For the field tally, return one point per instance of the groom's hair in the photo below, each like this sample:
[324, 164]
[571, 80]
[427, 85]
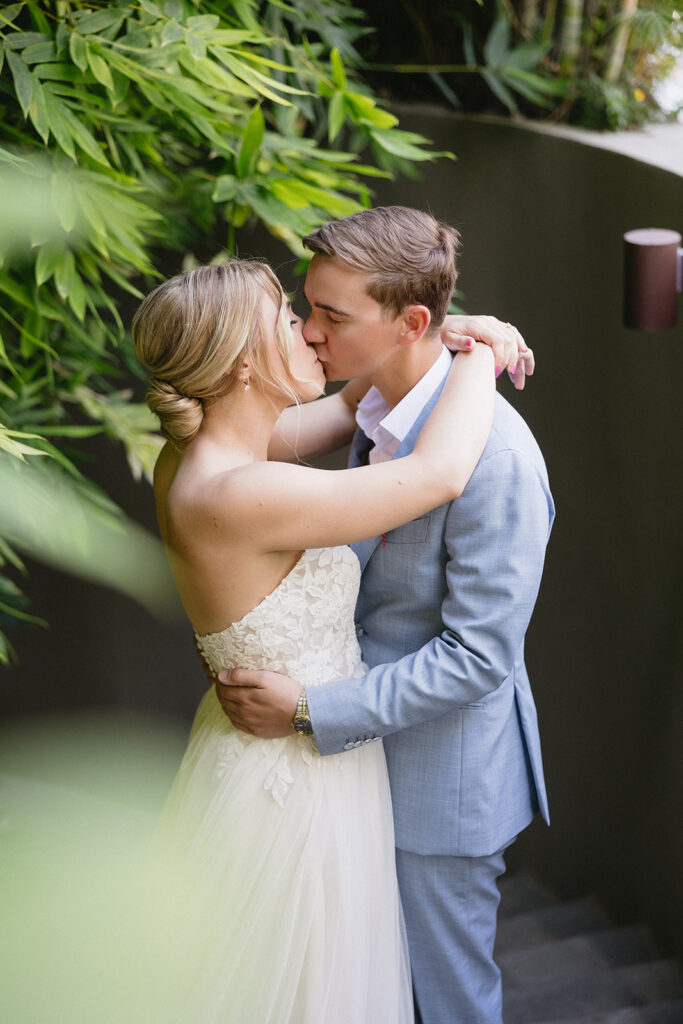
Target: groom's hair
[407, 255]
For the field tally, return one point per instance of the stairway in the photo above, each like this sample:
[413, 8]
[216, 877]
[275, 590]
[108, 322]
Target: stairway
[565, 963]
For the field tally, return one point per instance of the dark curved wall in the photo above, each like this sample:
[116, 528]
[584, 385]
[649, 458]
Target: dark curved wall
[542, 220]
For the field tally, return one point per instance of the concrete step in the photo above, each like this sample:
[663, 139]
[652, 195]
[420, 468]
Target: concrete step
[656, 1013]
[520, 893]
[578, 954]
[535, 927]
[580, 995]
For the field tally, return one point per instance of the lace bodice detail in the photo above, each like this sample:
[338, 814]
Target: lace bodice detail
[304, 628]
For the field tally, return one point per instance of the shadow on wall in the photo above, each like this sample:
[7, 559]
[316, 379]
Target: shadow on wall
[542, 219]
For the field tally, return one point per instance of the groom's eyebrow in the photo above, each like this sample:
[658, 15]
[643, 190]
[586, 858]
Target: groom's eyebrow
[330, 309]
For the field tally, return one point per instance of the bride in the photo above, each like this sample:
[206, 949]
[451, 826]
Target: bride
[292, 855]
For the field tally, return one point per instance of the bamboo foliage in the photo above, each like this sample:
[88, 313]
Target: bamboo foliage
[131, 129]
[596, 63]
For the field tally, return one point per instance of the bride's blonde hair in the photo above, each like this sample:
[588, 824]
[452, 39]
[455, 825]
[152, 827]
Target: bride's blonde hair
[193, 333]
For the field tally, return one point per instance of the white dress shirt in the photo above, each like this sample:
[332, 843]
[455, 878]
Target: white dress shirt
[388, 428]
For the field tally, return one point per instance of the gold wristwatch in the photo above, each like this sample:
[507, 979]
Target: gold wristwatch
[302, 720]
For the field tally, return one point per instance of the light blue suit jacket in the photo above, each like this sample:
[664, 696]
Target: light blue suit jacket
[443, 609]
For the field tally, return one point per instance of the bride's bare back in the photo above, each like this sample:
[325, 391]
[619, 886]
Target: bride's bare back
[218, 579]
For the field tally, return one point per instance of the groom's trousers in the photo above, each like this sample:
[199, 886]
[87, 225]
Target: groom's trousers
[450, 906]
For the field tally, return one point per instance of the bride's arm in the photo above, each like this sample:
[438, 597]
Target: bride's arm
[276, 507]
[305, 431]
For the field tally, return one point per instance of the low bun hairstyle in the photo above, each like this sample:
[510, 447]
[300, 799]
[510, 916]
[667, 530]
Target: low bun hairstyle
[193, 332]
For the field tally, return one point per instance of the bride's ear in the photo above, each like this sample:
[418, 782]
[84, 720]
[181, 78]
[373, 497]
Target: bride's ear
[415, 321]
[244, 375]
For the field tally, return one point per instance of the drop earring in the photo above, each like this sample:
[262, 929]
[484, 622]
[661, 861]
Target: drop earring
[246, 384]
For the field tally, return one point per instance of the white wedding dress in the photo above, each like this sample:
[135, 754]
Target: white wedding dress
[291, 854]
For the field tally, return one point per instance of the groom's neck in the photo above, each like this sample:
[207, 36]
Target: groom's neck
[401, 372]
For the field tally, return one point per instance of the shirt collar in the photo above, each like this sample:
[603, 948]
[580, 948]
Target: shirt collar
[374, 412]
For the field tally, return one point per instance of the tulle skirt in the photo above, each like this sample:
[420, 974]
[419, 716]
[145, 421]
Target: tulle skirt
[289, 869]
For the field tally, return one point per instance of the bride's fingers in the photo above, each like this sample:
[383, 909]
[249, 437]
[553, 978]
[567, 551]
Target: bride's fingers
[524, 369]
[456, 342]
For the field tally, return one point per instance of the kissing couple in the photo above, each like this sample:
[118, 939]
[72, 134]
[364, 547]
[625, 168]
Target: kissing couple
[370, 747]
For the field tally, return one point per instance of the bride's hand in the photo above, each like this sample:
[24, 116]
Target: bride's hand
[511, 353]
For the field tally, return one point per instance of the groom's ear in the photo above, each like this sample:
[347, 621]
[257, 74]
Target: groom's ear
[414, 322]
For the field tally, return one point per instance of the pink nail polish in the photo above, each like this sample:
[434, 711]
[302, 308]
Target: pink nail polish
[499, 371]
[513, 369]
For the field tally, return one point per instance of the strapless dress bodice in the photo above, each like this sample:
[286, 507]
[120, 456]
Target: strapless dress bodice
[304, 628]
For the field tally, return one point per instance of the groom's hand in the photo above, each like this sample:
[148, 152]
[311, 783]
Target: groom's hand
[510, 351]
[260, 703]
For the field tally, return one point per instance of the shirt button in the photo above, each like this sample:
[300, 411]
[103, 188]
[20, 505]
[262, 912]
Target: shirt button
[359, 630]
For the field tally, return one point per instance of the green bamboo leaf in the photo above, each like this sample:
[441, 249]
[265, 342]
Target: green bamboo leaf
[92, 23]
[299, 195]
[20, 40]
[16, 291]
[8, 609]
[57, 73]
[527, 56]
[4, 358]
[497, 43]
[78, 51]
[65, 273]
[31, 330]
[23, 81]
[196, 46]
[251, 143]
[7, 554]
[57, 123]
[92, 211]
[77, 297]
[46, 262]
[367, 111]
[7, 652]
[151, 8]
[64, 200]
[40, 53]
[265, 86]
[172, 33]
[18, 449]
[203, 22]
[38, 111]
[69, 431]
[547, 86]
[100, 69]
[525, 89]
[213, 74]
[9, 13]
[499, 89]
[401, 144]
[82, 136]
[336, 116]
[224, 189]
[338, 73]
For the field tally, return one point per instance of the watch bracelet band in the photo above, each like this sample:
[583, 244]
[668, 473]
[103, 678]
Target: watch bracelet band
[302, 719]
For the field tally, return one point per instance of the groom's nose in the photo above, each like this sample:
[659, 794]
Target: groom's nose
[312, 334]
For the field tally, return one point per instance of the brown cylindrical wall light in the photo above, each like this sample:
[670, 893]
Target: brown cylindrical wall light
[652, 259]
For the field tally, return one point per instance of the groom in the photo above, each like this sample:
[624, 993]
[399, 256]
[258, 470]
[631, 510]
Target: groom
[443, 609]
